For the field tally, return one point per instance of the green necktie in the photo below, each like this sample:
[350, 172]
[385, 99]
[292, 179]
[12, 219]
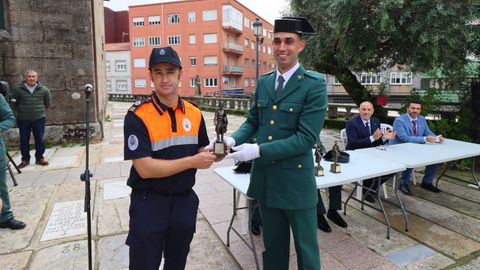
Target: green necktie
[279, 89]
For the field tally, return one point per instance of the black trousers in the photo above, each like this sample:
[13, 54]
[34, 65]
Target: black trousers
[334, 199]
[161, 225]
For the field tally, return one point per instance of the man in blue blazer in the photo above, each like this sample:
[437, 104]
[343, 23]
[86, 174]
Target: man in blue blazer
[364, 131]
[412, 127]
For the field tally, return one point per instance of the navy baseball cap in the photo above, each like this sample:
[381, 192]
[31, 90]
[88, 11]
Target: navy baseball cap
[164, 55]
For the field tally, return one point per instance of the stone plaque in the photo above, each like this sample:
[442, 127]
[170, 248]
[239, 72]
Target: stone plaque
[67, 219]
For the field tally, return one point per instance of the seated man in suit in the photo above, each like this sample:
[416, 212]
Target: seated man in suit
[364, 131]
[412, 127]
[334, 204]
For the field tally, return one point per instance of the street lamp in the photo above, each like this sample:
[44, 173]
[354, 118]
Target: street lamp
[257, 31]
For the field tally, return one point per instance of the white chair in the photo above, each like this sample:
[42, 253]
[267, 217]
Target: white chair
[343, 137]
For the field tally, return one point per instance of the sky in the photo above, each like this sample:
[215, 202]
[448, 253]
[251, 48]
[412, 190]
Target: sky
[268, 10]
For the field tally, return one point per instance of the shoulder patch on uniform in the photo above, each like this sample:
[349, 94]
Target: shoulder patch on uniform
[191, 102]
[313, 74]
[139, 103]
[268, 73]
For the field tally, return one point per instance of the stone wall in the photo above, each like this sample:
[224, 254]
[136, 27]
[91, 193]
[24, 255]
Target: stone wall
[55, 39]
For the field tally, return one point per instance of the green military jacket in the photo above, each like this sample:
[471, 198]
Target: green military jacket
[286, 129]
[31, 106]
[6, 121]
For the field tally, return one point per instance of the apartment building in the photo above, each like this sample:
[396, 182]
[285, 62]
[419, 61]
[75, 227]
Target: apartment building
[398, 82]
[118, 68]
[214, 39]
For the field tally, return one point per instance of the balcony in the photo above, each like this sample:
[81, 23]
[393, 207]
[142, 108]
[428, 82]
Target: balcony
[232, 70]
[232, 27]
[232, 48]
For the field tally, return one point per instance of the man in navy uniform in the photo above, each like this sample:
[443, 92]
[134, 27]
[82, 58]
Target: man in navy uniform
[165, 137]
[286, 117]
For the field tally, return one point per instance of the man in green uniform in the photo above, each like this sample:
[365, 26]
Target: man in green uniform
[6, 218]
[287, 115]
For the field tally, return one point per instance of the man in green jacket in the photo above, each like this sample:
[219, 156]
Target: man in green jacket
[32, 100]
[6, 217]
[287, 115]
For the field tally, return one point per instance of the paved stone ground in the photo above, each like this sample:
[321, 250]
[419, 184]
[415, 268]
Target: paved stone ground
[444, 228]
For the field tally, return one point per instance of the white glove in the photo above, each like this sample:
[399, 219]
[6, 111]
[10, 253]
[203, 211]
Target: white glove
[245, 152]
[229, 142]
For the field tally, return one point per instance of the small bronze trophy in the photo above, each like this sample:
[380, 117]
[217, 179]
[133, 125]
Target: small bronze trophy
[318, 158]
[220, 120]
[335, 167]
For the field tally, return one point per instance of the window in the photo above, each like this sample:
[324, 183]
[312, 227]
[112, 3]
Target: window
[264, 49]
[246, 42]
[400, 78]
[122, 86]
[192, 82]
[252, 82]
[253, 63]
[140, 83]
[153, 20]
[336, 81]
[246, 82]
[191, 16]
[264, 65]
[209, 15]
[173, 40]
[252, 45]
[246, 22]
[138, 21]
[193, 61]
[370, 78]
[269, 50]
[109, 85]
[173, 18]
[247, 62]
[153, 41]
[192, 39]
[138, 42]
[210, 60]
[120, 65]
[211, 82]
[209, 38]
[139, 63]
[107, 66]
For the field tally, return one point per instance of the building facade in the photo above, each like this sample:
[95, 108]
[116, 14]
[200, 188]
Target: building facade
[66, 49]
[214, 39]
[118, 68]
[116, 26]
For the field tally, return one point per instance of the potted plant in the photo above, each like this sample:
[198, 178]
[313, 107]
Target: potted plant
[382, 94]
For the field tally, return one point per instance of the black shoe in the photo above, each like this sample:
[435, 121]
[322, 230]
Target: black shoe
[323, 224]
[336, 218]
[255, 229]
[369, 198]
[430, 187]
[405, 189]
[13, 224]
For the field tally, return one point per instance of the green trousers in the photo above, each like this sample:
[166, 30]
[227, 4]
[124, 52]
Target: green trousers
[6, 212]
[276, 237]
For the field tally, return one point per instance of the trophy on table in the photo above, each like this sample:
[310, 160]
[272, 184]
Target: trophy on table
[335, 167]
[220, 120]
[318, 158]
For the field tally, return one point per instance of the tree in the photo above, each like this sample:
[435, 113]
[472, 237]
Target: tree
[373, 35]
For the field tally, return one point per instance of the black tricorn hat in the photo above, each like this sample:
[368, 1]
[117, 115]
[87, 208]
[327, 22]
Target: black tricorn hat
[344, 157]
[164, 55]
[298, 25]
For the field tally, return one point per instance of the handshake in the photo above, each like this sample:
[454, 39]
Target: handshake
[243, 152]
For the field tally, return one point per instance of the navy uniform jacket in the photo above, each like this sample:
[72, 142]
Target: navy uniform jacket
[357, 134]
[286, 129]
